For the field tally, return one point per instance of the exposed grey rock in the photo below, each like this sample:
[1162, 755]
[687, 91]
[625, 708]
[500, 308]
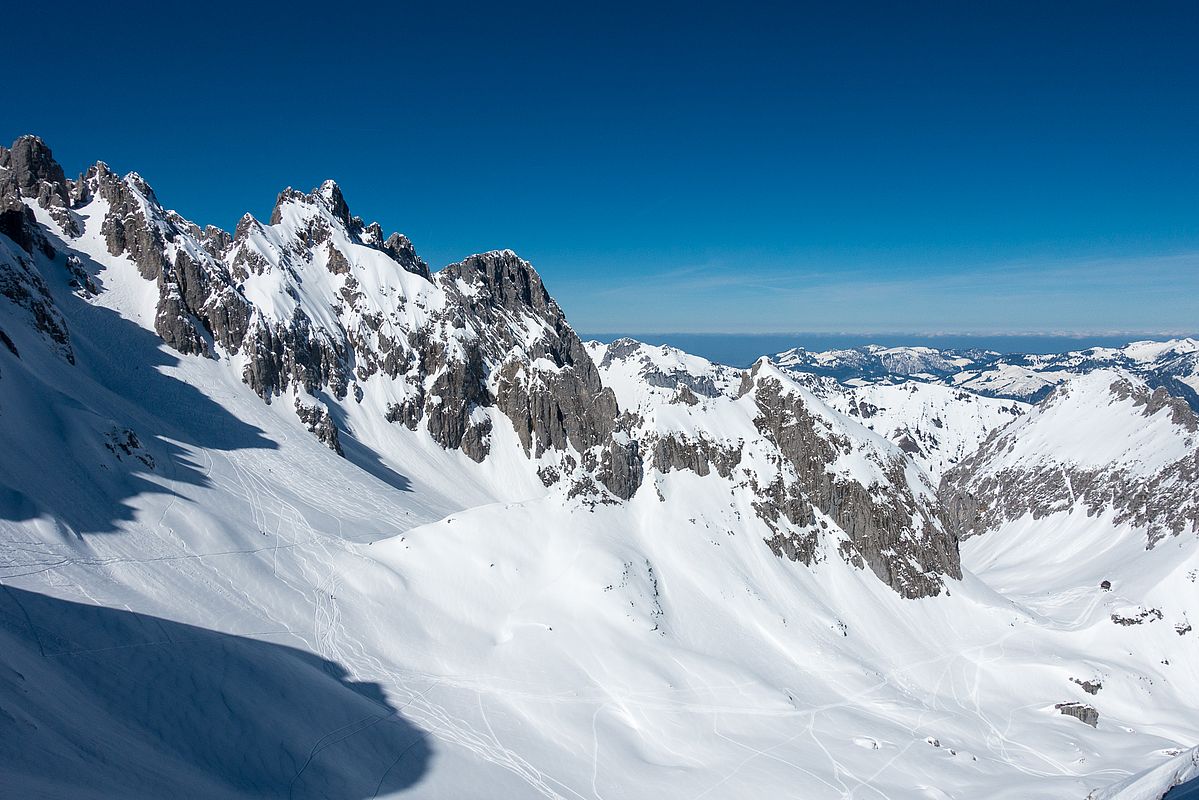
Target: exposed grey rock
[863, 409]
[21, 284]
[279, 356]
[459, 388]
[126, 229]
[909, 556]
[29, 171]
[1090, 687]
[620, 468]
[316, 417]
[476, 442]
[976, 498]
[124, 444]
[403, 253]
[619, 350]
[550, 408]
[1141, 617]
[215, 240]
[408, 412]
[16, 219]
[1152, 402]
[173, 322]
[553, 410]
[38, 176]
[700, 455]
[8, 343]
[337, 263]
[686, 396]
[80, 280]
[1081, 712]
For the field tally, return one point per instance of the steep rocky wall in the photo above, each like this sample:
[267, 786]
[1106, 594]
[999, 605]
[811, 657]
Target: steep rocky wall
[496, 339]
[983, 493]
[479, 339]
[897, 535]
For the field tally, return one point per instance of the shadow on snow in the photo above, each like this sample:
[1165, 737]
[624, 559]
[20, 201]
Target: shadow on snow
[103, 702]
[58, 422]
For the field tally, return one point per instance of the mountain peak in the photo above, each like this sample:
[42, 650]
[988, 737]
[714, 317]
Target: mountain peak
[143, 188]
[505, 276]
[335, 201]
[327, 196]
[36, 173]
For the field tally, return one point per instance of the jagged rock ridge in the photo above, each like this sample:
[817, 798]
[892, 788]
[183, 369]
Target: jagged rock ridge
[821, 484]
[1105, 442]
[322, 307]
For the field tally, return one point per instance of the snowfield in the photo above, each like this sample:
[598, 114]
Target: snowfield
[202, 599]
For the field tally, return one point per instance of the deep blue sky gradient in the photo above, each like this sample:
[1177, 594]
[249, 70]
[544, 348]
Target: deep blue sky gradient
[856, 167]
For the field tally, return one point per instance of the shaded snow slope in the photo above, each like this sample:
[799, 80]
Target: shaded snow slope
[1172, 780]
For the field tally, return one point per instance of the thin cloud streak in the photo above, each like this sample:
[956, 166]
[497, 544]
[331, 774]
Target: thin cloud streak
[1012, 296]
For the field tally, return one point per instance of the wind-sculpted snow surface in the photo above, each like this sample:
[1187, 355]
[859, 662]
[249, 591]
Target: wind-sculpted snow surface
[284, 512]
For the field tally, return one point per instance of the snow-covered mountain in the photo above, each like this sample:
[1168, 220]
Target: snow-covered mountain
[1173, 364]
[283, 512]
[1142, 467]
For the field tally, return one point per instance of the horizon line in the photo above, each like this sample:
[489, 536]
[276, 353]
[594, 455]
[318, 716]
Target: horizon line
[1175, 334]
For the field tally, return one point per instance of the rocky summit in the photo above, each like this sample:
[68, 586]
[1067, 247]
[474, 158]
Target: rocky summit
[283, 511]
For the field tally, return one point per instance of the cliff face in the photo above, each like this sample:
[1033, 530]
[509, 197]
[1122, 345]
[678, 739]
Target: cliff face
[1105, 442]
[821, 485]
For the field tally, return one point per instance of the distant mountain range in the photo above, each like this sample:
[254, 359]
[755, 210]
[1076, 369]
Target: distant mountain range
[1173, 364]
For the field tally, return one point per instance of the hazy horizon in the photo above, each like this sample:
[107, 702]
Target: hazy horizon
[742, 349]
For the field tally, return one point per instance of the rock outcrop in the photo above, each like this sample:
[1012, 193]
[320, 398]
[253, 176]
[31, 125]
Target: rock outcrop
[890, 527]
[1081, 712]
[28, 171]
[1147, 480]
[314, 302]
[821, 484]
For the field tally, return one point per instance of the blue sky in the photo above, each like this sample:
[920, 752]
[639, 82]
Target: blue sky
[691, 167]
